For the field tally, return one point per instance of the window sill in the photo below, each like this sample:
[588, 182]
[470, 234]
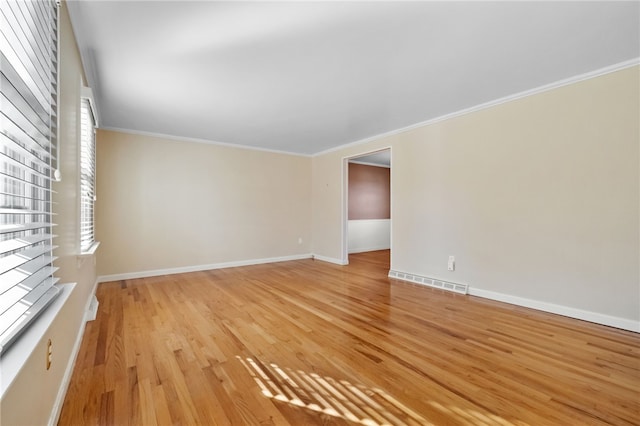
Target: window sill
[18, 354]
[90, 252]
[80, 258]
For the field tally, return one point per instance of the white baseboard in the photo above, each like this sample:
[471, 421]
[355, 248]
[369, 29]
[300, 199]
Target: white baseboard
[363, 250]
[566, 311]
[197, 268]
[66, 379]
[329, 259]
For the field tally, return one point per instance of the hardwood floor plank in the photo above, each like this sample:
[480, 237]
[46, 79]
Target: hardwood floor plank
[307, 342]
[147, 411]
[160, 407]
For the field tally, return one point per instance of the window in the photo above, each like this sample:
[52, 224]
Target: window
[88, 123]
[28, 134]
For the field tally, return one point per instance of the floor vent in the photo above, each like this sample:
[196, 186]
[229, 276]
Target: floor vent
[431, 282]
[92, 311]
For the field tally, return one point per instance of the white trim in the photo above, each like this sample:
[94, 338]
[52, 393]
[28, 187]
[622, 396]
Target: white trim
[197, 268]
[541, 89]
[87, 93]
[204, 141]
[344, 211]
[330, 260]
[80, 258]
[611, 321]
[90, 251]
[365, 163]
[66, 379]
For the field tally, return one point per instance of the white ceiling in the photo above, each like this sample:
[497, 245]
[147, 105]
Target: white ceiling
[305, 77]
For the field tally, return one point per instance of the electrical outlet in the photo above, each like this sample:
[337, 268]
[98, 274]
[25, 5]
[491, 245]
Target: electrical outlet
[451, 264]
[49, 354]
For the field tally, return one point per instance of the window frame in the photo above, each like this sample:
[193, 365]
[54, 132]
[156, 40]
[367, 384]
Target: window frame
[87, 172]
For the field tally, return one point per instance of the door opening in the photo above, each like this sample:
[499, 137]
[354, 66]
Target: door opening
[366, 203]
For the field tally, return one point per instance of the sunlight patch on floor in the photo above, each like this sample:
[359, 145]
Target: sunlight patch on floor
[473, 417]
[337, 398]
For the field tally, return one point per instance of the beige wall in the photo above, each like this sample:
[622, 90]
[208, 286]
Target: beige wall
[31, 398]
[166, 204]
[537, 198]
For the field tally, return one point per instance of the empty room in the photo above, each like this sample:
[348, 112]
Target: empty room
[305, 213]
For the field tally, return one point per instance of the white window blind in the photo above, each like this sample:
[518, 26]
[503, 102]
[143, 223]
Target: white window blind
[87, 171]
[28, 131]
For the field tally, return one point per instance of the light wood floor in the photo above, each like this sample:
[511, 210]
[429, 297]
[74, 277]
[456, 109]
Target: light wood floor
[307, 342]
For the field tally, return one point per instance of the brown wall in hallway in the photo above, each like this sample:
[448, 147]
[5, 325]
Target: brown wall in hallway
[369, 192]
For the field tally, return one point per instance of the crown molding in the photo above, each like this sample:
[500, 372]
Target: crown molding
[541, 89]
[201, 141]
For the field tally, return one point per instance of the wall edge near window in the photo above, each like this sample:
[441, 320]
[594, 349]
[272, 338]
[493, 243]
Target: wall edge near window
[14, 359]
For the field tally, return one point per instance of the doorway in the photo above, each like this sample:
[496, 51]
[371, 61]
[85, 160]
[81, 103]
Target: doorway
[366, 224]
